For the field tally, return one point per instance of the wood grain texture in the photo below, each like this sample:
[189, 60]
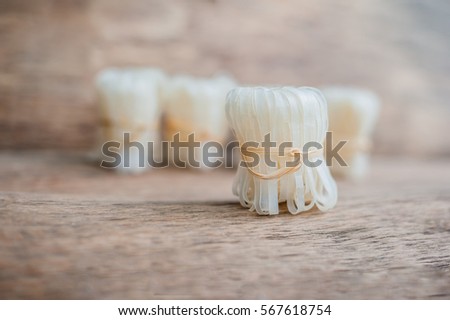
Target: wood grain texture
[71, 230]
[51, 51]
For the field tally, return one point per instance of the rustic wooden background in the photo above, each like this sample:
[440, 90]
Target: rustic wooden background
[71, 230]
[51, 50]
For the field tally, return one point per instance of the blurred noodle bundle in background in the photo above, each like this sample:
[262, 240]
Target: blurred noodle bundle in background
[352, 115]
[130, 102]
[196, 105]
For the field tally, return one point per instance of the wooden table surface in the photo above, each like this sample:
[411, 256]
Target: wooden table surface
[71, 230]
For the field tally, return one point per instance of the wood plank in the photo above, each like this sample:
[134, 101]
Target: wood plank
[70, 230]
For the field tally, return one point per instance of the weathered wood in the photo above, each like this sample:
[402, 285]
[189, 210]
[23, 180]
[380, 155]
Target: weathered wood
[70, 230]
[51, 50]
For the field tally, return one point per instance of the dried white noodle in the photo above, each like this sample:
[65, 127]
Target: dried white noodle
[352, 116]
[130, 103]
[297, 115]
[196, 105]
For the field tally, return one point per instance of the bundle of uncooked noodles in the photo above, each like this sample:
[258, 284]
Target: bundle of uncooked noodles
[296, 115]
[352, 116]
[196, 105]
[130, 103]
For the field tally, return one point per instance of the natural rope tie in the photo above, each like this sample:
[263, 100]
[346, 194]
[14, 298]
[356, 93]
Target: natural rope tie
[135, 130]
[288, 152]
